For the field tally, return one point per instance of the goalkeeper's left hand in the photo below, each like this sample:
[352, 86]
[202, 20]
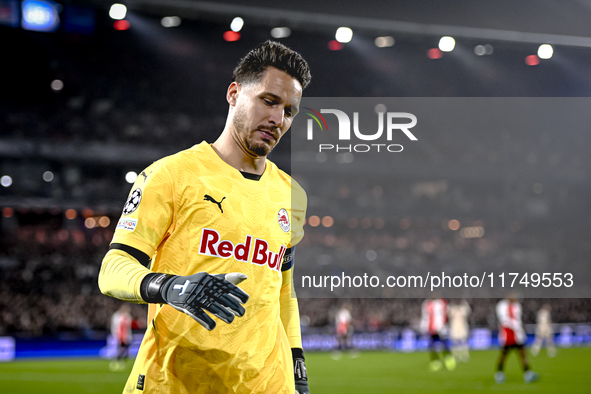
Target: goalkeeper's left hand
[197, 293]
[300, 373]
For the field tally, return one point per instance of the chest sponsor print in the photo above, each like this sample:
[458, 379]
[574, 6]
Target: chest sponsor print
[253, 250]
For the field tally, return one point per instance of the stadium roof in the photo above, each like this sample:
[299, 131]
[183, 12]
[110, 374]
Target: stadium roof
[536, 21]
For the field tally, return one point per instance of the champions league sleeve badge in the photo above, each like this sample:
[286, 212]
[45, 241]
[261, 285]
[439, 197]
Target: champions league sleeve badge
[132, 202]
[283, 219]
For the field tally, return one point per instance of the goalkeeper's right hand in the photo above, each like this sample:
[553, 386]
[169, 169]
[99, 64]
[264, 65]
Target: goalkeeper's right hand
[217, 294]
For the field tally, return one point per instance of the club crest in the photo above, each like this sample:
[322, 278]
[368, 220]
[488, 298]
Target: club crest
[283, 219]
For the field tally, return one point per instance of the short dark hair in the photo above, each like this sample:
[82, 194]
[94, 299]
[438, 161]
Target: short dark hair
[271, 53]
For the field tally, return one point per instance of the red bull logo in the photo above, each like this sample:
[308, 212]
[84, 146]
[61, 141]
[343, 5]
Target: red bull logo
[283, 219]
[251, 251]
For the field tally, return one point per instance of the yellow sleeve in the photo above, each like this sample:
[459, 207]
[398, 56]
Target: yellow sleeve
[121, 276]
[147, 219]
[148, 214]
[289, 311]
[299, 202]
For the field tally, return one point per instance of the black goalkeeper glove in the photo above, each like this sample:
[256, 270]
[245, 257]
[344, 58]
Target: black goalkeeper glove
[300, 373]
[217, 294]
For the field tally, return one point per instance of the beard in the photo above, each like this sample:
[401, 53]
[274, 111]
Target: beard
[258, 149]
[245, 137]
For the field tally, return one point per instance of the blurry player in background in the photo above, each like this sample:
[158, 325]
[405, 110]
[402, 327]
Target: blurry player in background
[343, 327]
[201, 221]
[544, 333]
[344, 330]
[121, 330]
[459, 330]
[434, 323]
[512, 336]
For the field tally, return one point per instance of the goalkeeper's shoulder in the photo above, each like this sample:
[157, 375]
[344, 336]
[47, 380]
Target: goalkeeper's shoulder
[285, 177]
[180, 161]
[297, 191]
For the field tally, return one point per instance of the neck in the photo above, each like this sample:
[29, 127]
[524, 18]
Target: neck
[233, 153]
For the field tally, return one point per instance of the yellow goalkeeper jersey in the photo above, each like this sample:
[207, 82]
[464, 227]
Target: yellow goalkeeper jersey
[192, 212]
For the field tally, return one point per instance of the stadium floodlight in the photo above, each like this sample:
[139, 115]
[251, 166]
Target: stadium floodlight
[479, 50]
[447, 44]
[371, 255]
[237, 24]
[57, 85]
[280, 32]
[384, 42]
[40, 15]
[170, 21]
[6, 181]
[343, 35]
[130, 177]
[380, 108]
[545, 51]
[118, 11]
[48, 176]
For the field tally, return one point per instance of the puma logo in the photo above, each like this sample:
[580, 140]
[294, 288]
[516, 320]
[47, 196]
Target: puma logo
[145, 175]
[210, 199]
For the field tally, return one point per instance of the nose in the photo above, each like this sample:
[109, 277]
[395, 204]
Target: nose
[276, 117]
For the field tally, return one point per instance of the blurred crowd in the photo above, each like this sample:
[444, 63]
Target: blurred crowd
[48, 285]
[379, 314]
[48, 281]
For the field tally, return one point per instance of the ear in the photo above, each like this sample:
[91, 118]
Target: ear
[232, 93]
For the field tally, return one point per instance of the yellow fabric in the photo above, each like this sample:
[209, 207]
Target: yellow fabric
[290, 313]
[121, 276]
[176, 225]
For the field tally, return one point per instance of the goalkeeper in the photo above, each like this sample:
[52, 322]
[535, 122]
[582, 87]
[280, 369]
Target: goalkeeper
[207, 238]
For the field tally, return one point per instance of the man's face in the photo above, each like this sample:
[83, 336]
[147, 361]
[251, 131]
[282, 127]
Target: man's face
[264, 111]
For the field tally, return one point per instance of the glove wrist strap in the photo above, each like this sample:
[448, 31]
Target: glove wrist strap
[297, 352]
[151, 287]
